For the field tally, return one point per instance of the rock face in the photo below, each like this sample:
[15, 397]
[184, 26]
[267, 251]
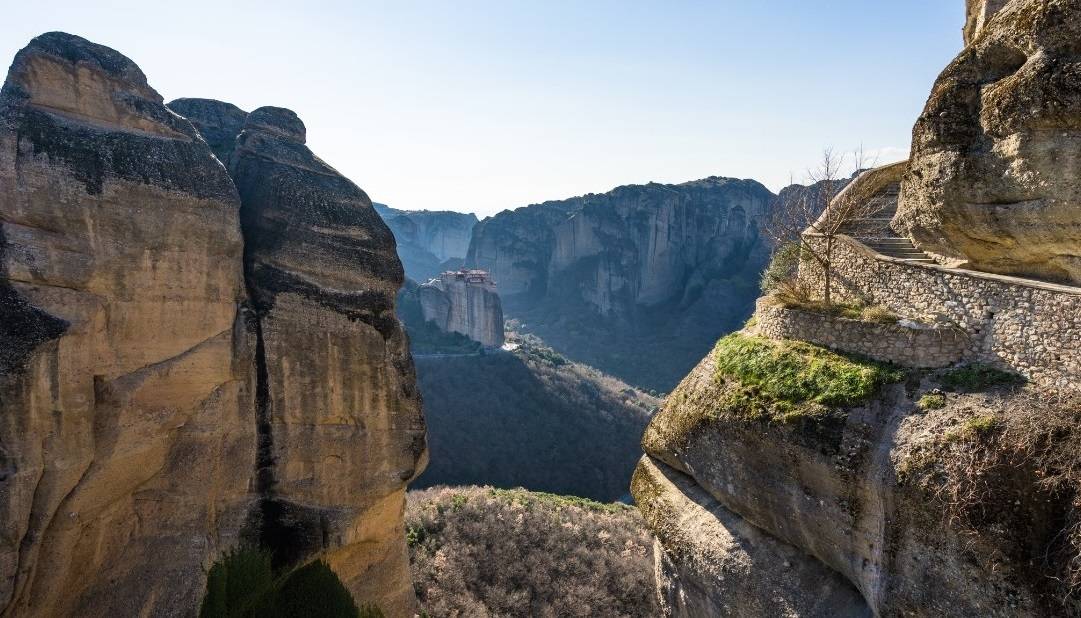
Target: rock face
[977, 14]
[126, 382]
[993, 179]
[458, 304]
[340, 426]
[838, 489]
[631, 281]
[218, 122]
[185, 366]
[429, 242]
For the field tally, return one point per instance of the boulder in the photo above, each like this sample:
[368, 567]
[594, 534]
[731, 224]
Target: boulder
[126, 382]
[338, 414]
[993, 181]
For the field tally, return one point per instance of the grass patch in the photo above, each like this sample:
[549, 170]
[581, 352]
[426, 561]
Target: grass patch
[973, 429]
[978, 377]
[932, 401]
[789, 379]
[243, 584]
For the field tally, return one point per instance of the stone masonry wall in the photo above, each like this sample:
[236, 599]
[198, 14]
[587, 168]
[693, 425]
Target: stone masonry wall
[1020, 324]
[905, 343]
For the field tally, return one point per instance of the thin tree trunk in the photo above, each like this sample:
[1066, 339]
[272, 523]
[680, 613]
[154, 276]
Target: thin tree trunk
[827, 267]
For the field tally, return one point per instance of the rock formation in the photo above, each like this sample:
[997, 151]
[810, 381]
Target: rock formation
[340, 426]
[126, 440]
[218, 122]
[993, 179]
[187, 366]
[429, 241]
[458, 302]
[631, 281]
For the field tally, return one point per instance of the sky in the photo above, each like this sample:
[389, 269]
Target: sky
[482, 106]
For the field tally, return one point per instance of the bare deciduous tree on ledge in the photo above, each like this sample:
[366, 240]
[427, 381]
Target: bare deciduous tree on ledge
[820, 212]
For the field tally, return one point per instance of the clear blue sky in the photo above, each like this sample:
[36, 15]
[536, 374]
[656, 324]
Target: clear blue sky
[481, 106]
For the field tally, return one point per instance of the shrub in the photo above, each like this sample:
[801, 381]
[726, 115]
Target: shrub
[242, 584]
[782, 267]
[521, 553]
[932, 401]
[799, 374]
[978, 377]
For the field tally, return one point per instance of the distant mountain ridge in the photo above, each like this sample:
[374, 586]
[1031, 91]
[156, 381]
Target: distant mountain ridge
[631, 281]
[429, 241]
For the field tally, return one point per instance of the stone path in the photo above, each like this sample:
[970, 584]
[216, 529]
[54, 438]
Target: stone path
[875, 232]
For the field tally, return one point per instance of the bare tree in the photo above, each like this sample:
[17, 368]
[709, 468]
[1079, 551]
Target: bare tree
[812, 218]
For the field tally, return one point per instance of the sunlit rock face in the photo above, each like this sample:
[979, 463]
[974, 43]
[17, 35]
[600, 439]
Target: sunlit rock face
[458, 303]
[996, 154]
[340, 426]
[126, 438]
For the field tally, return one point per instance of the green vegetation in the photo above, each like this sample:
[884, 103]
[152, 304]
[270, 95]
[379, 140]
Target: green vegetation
[973, 428]
[518, 553]
[978, 377]
[788, 379]
[242, 584]
[851, 311]
[782, 267]
[530, 419]
[932, 401]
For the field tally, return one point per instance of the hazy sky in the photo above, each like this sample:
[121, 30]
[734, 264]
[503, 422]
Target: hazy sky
[481, 106]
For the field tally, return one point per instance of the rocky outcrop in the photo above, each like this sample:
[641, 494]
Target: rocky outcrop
[870, 493]
[217, 121]
[977, 14]
[631, 281]
[993, 179]
[126, 437]
[339, 419]
[458, 304]
[186, 367]
[429, 241]
[712, 562]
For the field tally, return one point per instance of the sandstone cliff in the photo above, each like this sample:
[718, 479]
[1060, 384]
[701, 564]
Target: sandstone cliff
[993, 179]
[340, 426]
[186, 367]
[429, 241]
[458, 305]
[633, 281]
[126, 377]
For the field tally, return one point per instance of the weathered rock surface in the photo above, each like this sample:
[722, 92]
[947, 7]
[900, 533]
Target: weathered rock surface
[217, 121]
[833, 487]
[341, 430]
[429, 241]
[636, 281]
[460, 306]
[126, 438]
[977, 14]
[711, 562]
[994, 173]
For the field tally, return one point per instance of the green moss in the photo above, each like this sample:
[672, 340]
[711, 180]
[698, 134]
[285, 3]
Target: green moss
[978, 377]
[790, 376]
[973, 428]
[932, 401]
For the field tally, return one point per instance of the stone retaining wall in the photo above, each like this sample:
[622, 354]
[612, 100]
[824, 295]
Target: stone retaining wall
[1020, 324]
[905, 343]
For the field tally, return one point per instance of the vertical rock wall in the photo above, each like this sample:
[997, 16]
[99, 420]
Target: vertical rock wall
[126, 440]
[472, 309]
[340, 426]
